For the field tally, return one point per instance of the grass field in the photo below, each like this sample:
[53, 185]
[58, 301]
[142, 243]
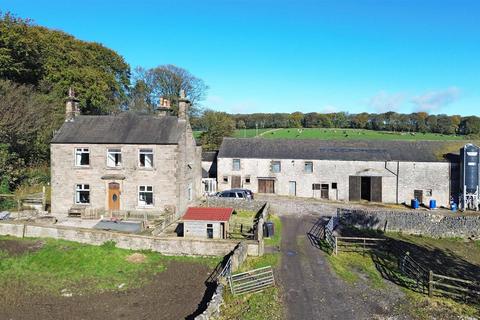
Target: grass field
[51, 265]
[338, 134]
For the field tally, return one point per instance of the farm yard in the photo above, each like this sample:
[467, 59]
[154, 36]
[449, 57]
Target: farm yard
[338, 134]
[51, 279]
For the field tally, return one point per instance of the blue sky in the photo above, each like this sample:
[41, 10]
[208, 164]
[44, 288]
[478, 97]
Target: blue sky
[284, 56]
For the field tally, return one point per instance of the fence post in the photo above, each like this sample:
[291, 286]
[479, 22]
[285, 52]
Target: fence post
[336, 246]
[430, 284]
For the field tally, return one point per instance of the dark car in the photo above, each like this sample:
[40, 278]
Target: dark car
[233, 194]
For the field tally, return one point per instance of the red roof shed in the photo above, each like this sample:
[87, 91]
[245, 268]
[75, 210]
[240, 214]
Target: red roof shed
[208, 214]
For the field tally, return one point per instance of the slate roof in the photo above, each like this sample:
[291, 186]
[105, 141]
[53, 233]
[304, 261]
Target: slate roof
[209, 156]
[207, 214]
[125, 128]
[351, 150]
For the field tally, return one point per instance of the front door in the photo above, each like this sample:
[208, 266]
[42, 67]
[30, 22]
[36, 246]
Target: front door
[236, 182]
[113, 196]
[292, 188]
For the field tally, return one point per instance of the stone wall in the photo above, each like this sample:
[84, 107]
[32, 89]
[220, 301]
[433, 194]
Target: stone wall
[164, 245]
[237, 204]
[426, 223]
[238, 256]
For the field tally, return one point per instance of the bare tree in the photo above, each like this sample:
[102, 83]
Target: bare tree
[167, 81]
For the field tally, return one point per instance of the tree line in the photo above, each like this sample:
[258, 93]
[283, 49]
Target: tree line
[389, 121]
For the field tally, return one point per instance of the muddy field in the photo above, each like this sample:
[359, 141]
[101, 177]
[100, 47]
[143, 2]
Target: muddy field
[175, 293]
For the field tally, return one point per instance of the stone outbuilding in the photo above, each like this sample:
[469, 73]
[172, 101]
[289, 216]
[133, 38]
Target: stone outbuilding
[210, 223]
[378, 171]
[126, 162]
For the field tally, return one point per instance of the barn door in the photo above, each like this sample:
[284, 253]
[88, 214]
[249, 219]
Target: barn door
[266, 186]
[262, 186]
[376, 189]
[354, 187]
[418, 194]
[292, 188]
[324, 191]
[236, 182]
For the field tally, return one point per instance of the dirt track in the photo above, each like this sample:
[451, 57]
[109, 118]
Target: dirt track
[313, 291]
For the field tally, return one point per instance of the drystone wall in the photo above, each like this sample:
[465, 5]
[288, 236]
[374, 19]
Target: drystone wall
[237, 204]
[426, 223]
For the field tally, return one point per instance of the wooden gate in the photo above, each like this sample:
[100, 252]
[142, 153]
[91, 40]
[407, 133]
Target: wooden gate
[236, 182]
[252, 281]
[354, 188]
[266, 186]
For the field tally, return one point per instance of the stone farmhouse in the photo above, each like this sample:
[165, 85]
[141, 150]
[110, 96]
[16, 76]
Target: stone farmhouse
[125, 162]
[378, 171]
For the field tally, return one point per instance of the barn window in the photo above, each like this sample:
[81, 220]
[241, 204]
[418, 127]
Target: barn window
[316, 186]
[276, 167]
[82, 157]
[308, 167]
[334, 185]
[225, 179]
[236, 165]
[82, 194]
[428, 192]
[247, 179]
[114, 158]
[145, 196]
[146, 158]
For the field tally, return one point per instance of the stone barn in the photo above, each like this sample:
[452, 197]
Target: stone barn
[377, 171]
[210, 223]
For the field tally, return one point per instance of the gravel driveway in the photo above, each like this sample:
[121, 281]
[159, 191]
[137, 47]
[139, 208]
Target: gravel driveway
[313, 291]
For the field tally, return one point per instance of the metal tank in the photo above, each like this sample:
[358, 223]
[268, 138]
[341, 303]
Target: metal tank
[470, 164]
[469, 157]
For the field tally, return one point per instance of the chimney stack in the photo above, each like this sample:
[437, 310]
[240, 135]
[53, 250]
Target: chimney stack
[183, 104]
[163, 107]
[72, 108]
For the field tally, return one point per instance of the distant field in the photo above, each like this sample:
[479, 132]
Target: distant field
[339, 134]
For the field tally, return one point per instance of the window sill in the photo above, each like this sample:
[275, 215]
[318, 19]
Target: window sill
[145, 207]
[82, 167]
[83, 204]
[113, 168]
[146, 169]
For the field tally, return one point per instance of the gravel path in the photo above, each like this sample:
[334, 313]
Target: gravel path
[313, 291]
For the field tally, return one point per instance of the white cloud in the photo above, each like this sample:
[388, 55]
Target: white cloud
[435, 100]
[329, 109]
[384, 101]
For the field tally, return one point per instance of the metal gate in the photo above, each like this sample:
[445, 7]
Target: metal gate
[252, 281]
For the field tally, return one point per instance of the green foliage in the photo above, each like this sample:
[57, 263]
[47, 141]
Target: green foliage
[217, 125]
[53, 61]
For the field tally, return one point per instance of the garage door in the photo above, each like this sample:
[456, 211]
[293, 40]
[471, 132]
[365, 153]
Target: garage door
[354, 188]
[266, 186]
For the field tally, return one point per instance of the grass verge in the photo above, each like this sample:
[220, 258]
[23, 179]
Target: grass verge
[256, 306]
[276, 239]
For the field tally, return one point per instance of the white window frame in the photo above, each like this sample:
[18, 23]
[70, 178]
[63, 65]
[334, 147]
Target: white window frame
[305, 166]
[145, 189]
[82, 187]
[234, 161]
[279, 166]
[79, 152]
[114, 151]
[145, 151]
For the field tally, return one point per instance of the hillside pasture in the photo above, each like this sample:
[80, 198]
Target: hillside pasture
[339, 134]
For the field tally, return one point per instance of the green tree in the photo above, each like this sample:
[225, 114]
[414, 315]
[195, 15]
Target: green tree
[217, 125]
